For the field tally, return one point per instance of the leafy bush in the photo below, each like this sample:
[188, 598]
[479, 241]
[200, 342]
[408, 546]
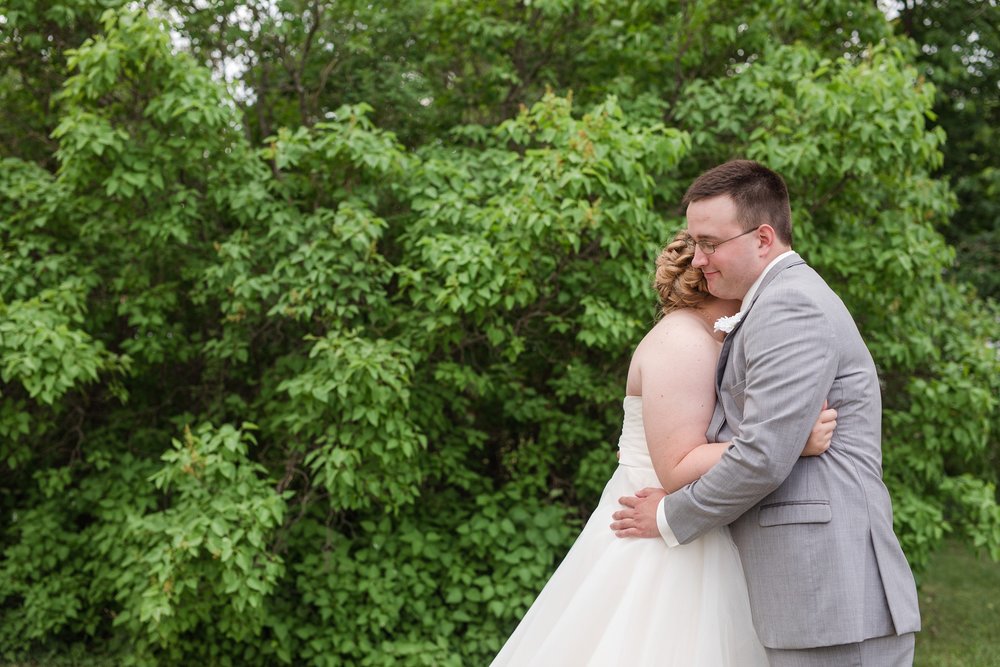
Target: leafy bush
[327, 398]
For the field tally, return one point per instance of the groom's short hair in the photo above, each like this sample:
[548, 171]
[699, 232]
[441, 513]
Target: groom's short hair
[760, 195]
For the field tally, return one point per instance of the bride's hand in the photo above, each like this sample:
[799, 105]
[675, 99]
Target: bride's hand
[822, 432]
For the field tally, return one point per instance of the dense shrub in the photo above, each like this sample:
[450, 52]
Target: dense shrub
[327, 398]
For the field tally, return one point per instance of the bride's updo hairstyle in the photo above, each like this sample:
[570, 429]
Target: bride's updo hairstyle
[677, 283]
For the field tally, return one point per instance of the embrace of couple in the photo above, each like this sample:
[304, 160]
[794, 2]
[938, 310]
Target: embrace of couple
[745, 531]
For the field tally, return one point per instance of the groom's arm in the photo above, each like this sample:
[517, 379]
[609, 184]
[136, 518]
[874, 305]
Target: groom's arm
[792, 363]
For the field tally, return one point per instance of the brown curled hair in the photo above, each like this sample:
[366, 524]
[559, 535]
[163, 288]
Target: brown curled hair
[677, 283]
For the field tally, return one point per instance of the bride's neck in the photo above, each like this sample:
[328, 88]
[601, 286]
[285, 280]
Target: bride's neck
[713, 308]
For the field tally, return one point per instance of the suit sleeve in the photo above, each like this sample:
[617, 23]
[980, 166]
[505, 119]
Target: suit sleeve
[791, 364]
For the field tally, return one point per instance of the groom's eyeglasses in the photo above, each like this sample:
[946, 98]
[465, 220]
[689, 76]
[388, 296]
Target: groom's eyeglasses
[708, 247]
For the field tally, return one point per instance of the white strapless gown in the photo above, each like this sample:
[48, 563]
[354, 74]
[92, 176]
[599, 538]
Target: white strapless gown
[636, 602]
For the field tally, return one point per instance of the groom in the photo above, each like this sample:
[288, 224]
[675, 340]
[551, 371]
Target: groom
[828, 582]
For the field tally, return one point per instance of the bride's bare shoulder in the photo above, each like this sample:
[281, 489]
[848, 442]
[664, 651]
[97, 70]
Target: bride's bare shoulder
[682, 322]
[678, 331]
[679, 345]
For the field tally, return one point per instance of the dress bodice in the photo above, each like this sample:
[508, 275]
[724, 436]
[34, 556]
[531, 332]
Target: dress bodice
[632, 444]
[639, 602]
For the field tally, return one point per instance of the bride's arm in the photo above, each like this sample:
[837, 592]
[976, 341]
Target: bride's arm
[697, 462]
[677, 373]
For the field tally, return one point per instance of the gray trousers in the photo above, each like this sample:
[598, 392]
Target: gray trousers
[890, 651]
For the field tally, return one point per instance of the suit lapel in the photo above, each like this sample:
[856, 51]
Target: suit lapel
[720, 368]
[727, 344]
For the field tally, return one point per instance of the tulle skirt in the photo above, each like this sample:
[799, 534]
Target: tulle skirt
[637, 602]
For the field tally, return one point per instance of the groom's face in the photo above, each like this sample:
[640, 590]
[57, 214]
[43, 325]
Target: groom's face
[735, 264]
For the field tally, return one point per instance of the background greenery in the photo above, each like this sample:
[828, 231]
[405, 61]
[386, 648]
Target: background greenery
[959, 610]
[315, 315]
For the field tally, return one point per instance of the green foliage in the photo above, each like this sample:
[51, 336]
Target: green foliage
[206, 558]
[40, 349]
[959, 44]
[33, 38]
[413, 276]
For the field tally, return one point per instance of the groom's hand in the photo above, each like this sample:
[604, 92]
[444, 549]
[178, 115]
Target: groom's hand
[638, 519]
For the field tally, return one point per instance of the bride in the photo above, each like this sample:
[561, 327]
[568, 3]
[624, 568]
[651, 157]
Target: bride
[636, 602]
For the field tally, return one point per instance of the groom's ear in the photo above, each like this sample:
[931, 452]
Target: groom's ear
[767, 239]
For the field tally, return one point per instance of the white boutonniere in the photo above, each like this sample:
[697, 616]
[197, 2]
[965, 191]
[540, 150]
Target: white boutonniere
[727, 324]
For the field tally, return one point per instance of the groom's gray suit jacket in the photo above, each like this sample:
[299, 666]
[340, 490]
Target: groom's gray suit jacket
[815, 534]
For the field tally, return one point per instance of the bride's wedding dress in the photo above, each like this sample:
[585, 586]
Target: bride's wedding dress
[636, 602]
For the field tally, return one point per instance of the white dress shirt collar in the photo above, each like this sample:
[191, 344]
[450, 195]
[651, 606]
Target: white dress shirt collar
[756, 284]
